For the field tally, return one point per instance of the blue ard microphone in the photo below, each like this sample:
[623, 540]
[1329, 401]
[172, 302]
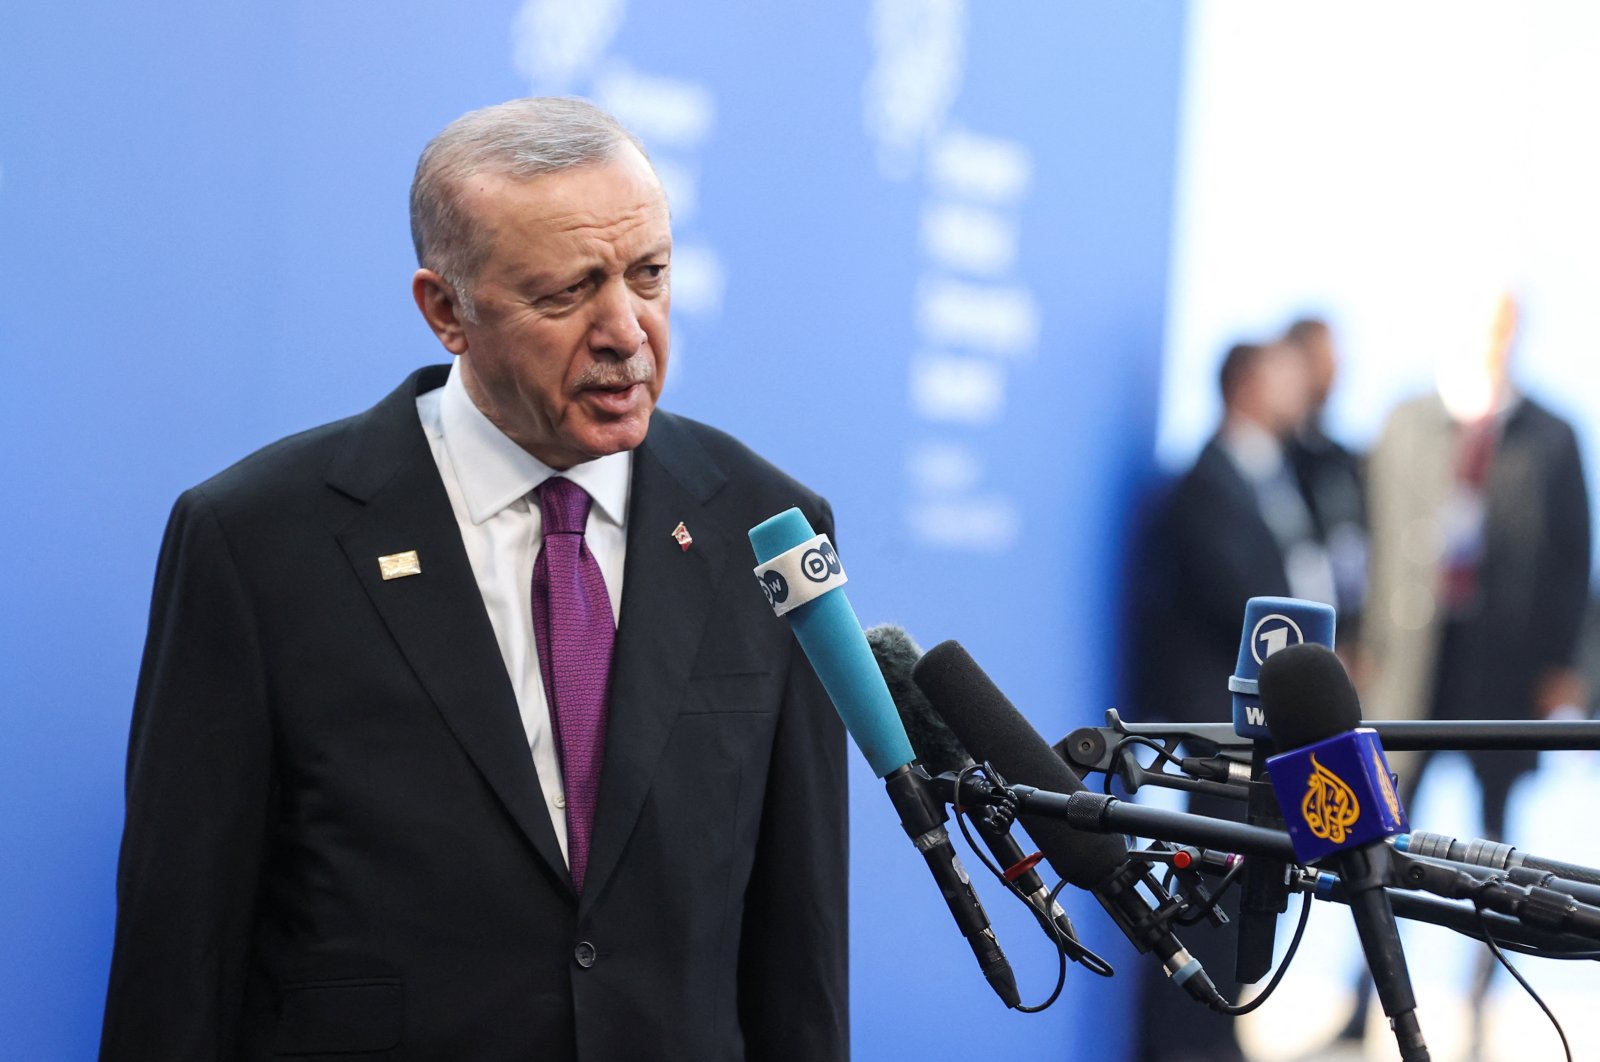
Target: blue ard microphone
[803, 579]
[1271, 624]
[1340, 805]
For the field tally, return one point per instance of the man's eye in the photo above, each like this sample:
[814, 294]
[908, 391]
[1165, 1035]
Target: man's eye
[566, 295]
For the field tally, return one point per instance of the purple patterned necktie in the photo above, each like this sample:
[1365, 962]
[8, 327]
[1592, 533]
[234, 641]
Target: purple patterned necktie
[574, 632]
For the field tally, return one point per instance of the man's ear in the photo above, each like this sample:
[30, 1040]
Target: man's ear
[436, 298]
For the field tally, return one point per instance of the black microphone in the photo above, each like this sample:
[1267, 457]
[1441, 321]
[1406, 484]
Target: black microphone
[992, 729]
[1339, 804]
[1491, 854]
[940, 751]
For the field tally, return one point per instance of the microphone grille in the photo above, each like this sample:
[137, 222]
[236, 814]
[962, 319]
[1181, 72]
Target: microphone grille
[1307, 696]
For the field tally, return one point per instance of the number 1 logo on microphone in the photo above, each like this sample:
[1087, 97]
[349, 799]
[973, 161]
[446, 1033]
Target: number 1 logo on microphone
[1266, 640]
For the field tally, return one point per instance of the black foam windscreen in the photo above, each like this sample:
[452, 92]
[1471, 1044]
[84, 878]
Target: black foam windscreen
[1306, 696]
[993, 730]
[897, 654]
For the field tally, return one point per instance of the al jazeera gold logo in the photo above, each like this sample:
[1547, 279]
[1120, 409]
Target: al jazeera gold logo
[1329, 806]
[1391, 799]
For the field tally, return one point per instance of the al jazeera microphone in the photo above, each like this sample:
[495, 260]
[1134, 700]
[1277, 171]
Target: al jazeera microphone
[1340, 806]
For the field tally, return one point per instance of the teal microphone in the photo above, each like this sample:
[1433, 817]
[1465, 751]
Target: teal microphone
[804, 582]
[803, 579]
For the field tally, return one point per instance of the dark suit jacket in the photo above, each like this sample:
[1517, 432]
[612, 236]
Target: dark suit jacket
[1209, 551]
[1333, 483]
[336, 845]
[1533, 582]
[1206, 552]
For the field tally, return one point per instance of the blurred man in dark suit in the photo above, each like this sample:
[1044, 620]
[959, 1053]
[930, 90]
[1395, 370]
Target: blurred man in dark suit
[1481, 558]
[463, 731]
[1331, 480]
[1480, 561]
[1235, 526]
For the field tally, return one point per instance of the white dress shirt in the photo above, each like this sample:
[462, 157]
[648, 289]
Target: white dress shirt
[490, 481]
[1259, 457]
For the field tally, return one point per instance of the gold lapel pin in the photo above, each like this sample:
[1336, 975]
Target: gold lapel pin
[400, 565]
[681, 536]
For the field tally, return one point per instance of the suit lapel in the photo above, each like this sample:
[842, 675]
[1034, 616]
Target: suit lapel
[437, 617]
[666, 601]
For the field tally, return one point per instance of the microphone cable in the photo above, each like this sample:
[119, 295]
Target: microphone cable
[1283, 967]
[1229, 880]
[1200, 911]
[1082, 953]
[1500, 955]
[1088, 958]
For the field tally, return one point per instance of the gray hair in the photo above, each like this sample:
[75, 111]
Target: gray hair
[520, 138]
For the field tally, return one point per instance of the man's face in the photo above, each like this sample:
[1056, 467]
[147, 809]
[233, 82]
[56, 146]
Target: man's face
[1279, 389]
[569, 350]
[1323, 364]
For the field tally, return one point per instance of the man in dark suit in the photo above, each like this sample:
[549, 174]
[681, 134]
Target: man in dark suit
[1235, 526]
[1332, 480]
[391, 792]
[1480, 570]
[1481, 559]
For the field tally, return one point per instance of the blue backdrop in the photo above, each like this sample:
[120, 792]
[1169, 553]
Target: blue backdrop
[951, 218]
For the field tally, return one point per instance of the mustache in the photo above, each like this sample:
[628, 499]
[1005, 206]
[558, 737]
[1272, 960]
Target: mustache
[636, 370]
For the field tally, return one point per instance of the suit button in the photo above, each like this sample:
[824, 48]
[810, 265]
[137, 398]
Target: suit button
[585, 954]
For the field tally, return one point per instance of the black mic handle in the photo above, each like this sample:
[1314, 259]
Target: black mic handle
[1264, 891]
[922, 815]
[1364, 872]
[1014, 863]
[1544, 905]
[1415, 735]
[1491, 854]
[1148, 932]
[1582, 891]
[1420, 907]
[1099, 813]
[1552, 909]
[1017, 867]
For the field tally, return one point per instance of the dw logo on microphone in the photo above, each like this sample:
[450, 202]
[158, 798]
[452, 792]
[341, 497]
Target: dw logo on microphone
[801, 574]
[819, 563]
[776, 587]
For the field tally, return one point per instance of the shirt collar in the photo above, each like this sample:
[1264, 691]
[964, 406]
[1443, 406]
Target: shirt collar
[1255, 451]
[495, 473]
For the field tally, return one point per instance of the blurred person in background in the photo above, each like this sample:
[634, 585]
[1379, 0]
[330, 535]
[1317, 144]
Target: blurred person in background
[1235, 526]
[1480, 545]
[1331, 480]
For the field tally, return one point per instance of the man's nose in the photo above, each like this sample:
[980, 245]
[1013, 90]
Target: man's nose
[615, 328]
